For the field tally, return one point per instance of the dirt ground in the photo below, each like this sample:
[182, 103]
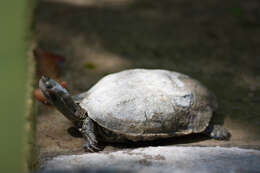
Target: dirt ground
[214, 41]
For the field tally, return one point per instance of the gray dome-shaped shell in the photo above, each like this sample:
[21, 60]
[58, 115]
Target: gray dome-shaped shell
[143, 102]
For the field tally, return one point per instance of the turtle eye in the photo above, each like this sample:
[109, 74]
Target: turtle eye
[48, 85]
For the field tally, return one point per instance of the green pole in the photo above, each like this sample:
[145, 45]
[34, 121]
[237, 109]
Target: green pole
[14, 40]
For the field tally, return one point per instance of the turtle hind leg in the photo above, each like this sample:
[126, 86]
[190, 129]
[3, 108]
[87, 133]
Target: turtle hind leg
[89, 133]
[218, 132]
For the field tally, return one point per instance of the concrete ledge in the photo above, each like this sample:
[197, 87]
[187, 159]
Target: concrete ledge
[160, 159]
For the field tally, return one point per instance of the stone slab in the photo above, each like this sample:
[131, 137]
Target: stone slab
[165, 159]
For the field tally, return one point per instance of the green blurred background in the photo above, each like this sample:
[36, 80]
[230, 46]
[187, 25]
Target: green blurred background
[14, 34]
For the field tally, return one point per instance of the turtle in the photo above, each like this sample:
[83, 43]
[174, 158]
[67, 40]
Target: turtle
[137, 105]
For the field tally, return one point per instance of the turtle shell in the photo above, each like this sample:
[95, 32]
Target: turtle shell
[143, 102]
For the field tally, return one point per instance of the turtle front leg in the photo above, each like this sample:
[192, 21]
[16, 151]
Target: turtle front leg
[89, 133]
[218, 132]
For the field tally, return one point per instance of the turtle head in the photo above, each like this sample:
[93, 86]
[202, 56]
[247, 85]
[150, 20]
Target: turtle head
[60, 98]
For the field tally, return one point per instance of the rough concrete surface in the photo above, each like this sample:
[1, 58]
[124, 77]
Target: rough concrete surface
[215, 42]
[163, 159]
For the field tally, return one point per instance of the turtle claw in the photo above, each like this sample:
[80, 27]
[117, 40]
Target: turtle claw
[91, 148]
[220, 133]
[87, 148]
